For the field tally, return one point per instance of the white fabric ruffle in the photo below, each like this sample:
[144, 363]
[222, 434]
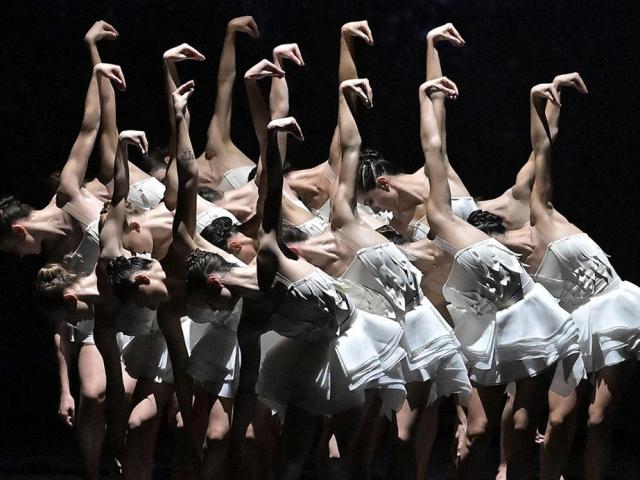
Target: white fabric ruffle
[235, 178]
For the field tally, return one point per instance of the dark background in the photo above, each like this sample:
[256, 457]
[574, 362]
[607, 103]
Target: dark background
[511, 45]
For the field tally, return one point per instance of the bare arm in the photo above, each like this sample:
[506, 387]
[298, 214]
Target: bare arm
[219, 132]
[184, 222]
[272, 250]
[343, 204]
[180, 53]
[66, 409]
[543, 133]
[279, 94]
[449, 34]
[111, 231]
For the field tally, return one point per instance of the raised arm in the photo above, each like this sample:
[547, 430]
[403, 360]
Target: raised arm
[111, 231]
[443, 33]
[272, 249]
[219, 132]
[72, 175]
[184, 221]
[100, 30]
[544, 130]
[180, 53]
[279, 94]
[343, 204]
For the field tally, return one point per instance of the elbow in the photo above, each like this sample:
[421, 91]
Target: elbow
[431, 144]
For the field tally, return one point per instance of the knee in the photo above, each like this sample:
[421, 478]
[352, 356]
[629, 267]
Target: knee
[134, 422]
[557, 420]
[250, 434]
[521, 420]
[217, 432]
[404, 433]
[598, 417]
[93, 393]
[477, 428]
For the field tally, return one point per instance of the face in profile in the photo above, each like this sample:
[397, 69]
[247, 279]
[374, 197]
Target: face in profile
[241, 247]
[21, 242]
[380, 199]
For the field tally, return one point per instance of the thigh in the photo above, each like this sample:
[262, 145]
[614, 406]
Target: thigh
[609, 385]
[93, 382]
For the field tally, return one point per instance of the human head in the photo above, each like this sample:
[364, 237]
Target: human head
[222, 233]
[55, 295]
[158, 159]
[138, 280]
[14, 235]
[204, 272]
[374, 188]
[488, 222]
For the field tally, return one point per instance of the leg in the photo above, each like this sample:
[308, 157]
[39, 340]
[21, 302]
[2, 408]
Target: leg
[149, 401]
[261, 444]
[483, 414]
[527, 408]
[610, 382]
[217, 439]
[506, 428]
[558, 437]
[300, 431]
[90, 422]
[345, 427]
[369, 436]
[426, 431]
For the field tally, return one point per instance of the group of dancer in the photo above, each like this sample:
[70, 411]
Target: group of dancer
[276, 314]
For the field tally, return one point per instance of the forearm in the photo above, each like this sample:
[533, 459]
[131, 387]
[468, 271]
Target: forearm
[92, 48]
[435, 168]
[279, 104]
[271, 215]
[63, 356]
[541, 145]
[433, 71]
[347, 67]
[109, 129]
[219, 130]
[187, 169]
[259, 112]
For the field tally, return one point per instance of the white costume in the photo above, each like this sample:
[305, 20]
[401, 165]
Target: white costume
[509, 327]
[146, 194]
[606, 309]
[235, 178]
[205, 218]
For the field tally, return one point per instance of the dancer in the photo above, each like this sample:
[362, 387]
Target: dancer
[491, 299]
[578, 273]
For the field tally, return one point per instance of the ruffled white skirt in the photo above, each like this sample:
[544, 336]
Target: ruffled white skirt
[214, 357]
[609, 326]
[328, 378]
[521, 341]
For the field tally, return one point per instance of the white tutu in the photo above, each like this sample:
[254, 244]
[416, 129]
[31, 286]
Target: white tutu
[606, 310]
[509, 327]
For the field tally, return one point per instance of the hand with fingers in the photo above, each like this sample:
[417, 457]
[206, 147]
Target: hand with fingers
[67, 410]
[180, 97]
[184, 51]
[446, 33]
[264, 68]
[546, 91]
[286, 125]
[573, 80]
[358, 29]
[101, 30]
[289, 51]
[360, 88]
[113, 73]
[244, 24]
[134, 137]
[441, 85]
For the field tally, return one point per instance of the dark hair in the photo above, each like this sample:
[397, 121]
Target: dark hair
[391, 234]
[120, 269]
[291, 233]
[488, 222]
[210, 194]
[217, 233]
[199, 265]
[372, 165]
[156, 157]
[287, 167]
[51, 281]
[11, 210]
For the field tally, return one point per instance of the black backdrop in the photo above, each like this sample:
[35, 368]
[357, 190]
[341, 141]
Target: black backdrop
[511, 45]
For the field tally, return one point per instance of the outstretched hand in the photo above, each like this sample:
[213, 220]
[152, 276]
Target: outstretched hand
[358, 29]
[101, 30]
[360, 88]
[245, 25]
[181, 95]
[441, 85]
[113, 73]
[182, 52]
[264, 68]
[547, 91]
[134, 137]
[446, 33]
[289, 51]
[286, 125]
[573, 80]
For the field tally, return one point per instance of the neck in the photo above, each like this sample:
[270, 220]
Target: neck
[245, 277]
[48, 223]
[412, 188]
